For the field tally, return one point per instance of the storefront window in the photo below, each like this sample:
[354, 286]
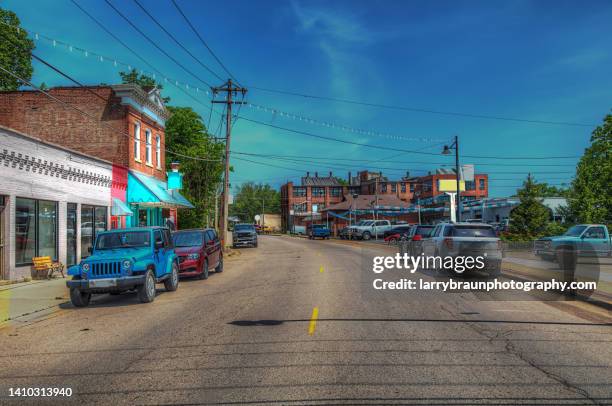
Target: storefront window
[47, 229]
[93, 220]
[25, 230]
[35, 230]
[142, 218]
[71, 234]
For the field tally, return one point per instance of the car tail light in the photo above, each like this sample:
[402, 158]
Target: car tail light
[448, 242]
[417, 237]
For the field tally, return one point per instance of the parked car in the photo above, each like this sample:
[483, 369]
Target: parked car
[394, 234]
[345, 233]
[367, 229]
[592, 240]
[244, 234]
[318, 231]
[127, 259]
[468, 240]
[198, 251]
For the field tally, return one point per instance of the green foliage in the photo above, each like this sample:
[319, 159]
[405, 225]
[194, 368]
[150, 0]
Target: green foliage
[529, 220]
[251, 199]
[341, 181]
[544, 190]
[15, 49]
[186, 134]
[591, 193]
[142, 80]
[554, 228]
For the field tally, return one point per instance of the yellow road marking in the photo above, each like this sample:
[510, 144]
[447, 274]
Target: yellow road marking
[313, 321]
[5, 299]
[321, 269]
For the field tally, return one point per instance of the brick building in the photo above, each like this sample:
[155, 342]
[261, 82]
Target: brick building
[322, 193]
[136, 148]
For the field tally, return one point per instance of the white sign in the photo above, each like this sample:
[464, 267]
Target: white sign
[257, 217]
[468, 173]
[315, 208]
[291, 212]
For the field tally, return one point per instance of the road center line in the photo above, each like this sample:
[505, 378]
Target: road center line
[313, 321]
[321, 269]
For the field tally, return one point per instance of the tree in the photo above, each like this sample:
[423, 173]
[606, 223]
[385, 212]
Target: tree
[142, 80]
[252, 199]
[186, 134]
[341, 181]
[530, 218]
[15, 51]
[591, 193]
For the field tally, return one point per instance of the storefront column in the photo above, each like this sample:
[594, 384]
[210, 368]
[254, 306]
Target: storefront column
[10, 243]
[78, 233]
[62, 243]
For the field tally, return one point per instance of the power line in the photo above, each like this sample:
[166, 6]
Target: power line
[145, 36]
[93, 118]
[419, 110]
[175, 40]
[204, 42]
[389, 161]
[396, 149]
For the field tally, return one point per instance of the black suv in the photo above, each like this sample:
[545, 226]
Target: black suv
[244, 234]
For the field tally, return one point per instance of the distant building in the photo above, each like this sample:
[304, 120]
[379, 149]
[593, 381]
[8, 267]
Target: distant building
[304, 203]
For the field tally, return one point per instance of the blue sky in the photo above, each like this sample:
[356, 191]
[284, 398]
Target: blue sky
[531, 60]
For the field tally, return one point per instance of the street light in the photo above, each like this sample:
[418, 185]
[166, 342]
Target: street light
[447, 151]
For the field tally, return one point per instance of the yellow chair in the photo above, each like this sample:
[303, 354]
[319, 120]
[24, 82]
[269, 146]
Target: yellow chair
[46, 266]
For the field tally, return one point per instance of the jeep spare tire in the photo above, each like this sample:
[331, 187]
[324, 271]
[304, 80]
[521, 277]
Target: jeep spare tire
[146, 291]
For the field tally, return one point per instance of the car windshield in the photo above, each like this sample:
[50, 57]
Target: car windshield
[575, 231]
[188, 239]
[366, 223]
[470, 231]
[128, 239]
[244, 227]
[424, 231]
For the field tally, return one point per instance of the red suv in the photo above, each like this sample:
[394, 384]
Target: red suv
[198, 251]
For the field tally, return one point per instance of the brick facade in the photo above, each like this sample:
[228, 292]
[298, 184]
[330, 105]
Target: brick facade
[34, 113]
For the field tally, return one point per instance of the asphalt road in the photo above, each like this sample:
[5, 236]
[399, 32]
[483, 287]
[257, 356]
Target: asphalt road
[246, 336]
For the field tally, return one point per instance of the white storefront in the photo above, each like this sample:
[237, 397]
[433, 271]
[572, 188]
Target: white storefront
[52, 202]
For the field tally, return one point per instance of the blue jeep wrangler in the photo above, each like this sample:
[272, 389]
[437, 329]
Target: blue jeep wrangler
[122, 260]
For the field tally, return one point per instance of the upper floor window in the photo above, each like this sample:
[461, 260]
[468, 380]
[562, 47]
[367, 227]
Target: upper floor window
[137, 141]
[158, 151]
[470, 185]
[148, 156]
[299, 191]
[383, 188]
[481, 184]
[412, 187]
[403, 189]
[335, 191]
[318, 191]
[393, 187]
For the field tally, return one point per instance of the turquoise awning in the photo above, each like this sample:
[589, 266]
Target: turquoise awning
[146, 190]
[119, 208]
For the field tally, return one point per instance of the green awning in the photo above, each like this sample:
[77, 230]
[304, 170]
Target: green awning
[119, 208]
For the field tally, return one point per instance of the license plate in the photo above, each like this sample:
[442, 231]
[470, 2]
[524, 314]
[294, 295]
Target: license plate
[102, 283]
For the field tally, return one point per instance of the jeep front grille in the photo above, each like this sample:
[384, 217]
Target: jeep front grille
[105, 268]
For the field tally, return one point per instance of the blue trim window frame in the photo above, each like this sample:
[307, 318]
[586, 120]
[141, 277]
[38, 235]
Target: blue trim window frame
[481, 184]
[318, 191]
[299, 191]
[28, 241]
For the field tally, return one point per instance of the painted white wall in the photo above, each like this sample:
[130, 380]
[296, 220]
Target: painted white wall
[16, 152]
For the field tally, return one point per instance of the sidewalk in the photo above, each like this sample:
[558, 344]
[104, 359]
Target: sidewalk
[22, 302]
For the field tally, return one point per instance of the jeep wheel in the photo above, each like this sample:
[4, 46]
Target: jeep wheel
[366, 236]
[79, 298]
[219, 267]
[146, 291]
[204, 274]
[171, 283]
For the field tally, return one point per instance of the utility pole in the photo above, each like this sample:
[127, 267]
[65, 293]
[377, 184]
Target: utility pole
[231, 90]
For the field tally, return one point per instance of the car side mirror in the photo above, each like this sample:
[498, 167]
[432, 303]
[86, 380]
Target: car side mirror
[159, 244]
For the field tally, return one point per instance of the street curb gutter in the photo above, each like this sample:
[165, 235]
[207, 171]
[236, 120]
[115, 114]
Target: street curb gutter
[598, 299]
